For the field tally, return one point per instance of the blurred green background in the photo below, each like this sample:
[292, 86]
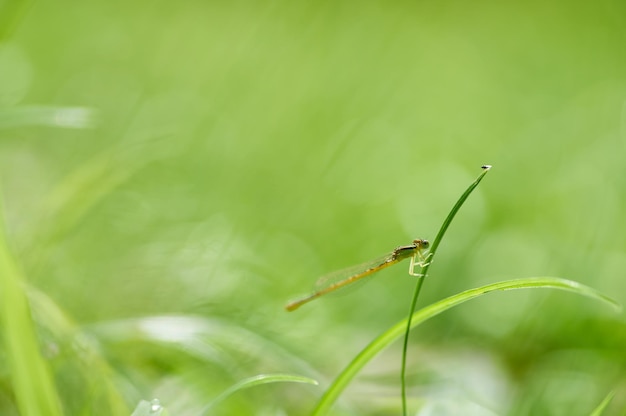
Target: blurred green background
[174, 173]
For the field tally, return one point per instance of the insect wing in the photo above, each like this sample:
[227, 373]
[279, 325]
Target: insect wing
[347, 277]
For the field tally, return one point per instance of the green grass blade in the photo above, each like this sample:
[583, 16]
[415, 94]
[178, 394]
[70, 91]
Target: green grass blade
[75, 196]
[257, 381]
[100, 388]
[602, 406]
[79, 192]
[455, 209]
[31, 379]
[65, 117]
[395, 332]
[424, 272]
[11, 12]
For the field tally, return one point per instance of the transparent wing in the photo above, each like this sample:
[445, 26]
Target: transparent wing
[360, 272]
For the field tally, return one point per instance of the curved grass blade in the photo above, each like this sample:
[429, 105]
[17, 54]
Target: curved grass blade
[76, 195]
[11, 13]
[598, 411]
[257, 381]
[211, 340]
[455, 209]
[100, 389]
[424, 271]
[31, 379]
[422, 315]
[64, 117]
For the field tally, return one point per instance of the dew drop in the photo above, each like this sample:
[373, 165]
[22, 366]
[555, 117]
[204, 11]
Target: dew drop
[155, 406]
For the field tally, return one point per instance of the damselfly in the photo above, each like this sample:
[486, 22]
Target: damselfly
[341, 278]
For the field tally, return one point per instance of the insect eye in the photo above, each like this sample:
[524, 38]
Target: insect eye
[423, 243]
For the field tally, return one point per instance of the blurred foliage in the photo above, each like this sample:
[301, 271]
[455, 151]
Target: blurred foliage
[173, 173]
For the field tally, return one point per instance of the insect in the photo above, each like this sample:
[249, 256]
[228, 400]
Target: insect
[336, 280]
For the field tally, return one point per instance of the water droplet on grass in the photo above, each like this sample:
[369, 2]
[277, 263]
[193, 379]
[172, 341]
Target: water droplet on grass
[155, 406]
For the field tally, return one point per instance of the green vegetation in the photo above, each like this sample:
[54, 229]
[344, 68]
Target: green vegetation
[172, 174]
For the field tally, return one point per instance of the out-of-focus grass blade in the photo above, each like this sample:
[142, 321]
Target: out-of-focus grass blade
[150, 408]
[100, 385]
[31, 380]
[257, 381]
[64, 117]
[89, 184]
[10, 14]
[80, 191]
[211, 340]
[602, 406]
[395, 332]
